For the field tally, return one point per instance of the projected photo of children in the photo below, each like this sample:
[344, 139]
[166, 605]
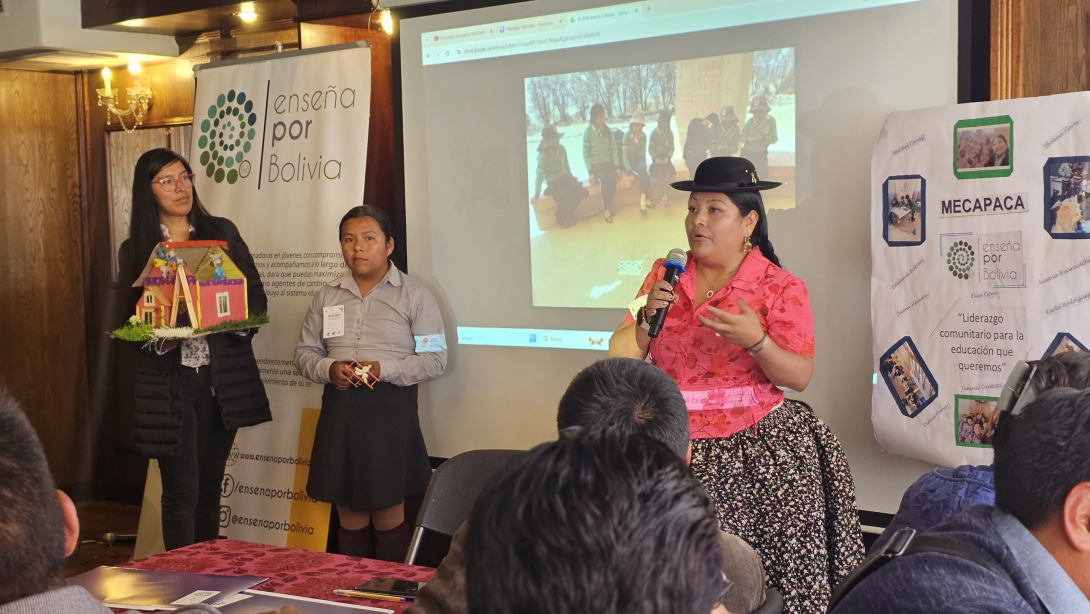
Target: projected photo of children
[905, 210]
[983, 147]
[1063, 343]
[1067, 210]
[976, 419]
[602, 147]
[908, 378]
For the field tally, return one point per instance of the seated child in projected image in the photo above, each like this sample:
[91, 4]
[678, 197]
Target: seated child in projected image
[940, 494]
[698, 141]
[758, 134]
[634, 156]
[553, 169]
[661, 147]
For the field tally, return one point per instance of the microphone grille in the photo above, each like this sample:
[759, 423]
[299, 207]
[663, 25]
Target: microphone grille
[677, 256]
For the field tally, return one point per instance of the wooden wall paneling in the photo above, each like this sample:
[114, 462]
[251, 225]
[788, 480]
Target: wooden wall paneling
[1007, 56]
[1039, 47]
[42, 331]
[1055, 47]
[379, 182]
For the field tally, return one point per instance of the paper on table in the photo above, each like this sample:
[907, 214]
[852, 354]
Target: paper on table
[195, 597]
[146, 589]
[231, 599]
[264, 601]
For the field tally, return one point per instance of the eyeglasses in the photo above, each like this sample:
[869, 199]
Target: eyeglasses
[727, 585]
[173, 184]
[1017, 391]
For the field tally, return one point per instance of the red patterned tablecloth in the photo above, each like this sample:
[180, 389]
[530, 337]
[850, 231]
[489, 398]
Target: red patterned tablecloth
[290, 571]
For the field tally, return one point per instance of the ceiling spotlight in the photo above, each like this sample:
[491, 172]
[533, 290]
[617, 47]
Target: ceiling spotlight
[247, 16]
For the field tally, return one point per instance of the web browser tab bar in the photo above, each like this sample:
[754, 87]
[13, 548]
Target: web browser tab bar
[622, 22]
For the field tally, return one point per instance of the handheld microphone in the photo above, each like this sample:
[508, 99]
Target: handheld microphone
[673, 268]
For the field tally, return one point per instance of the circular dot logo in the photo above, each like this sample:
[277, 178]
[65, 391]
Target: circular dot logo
[226, 137]
[960, 259]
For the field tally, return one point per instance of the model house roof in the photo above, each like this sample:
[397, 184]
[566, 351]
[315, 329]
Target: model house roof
[197, 259]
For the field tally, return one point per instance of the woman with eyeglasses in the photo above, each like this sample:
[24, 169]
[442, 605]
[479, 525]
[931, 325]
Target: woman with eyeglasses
[191, 395]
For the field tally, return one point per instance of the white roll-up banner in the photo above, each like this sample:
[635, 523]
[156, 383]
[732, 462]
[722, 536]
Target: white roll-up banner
[978, 216]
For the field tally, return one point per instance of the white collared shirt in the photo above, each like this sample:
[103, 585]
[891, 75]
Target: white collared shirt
[397, 324]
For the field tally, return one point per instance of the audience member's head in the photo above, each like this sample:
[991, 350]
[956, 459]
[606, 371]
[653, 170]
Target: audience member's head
[1042, 475]
[1066, 370]
[38, 525]
[631, 396]
[597, 521]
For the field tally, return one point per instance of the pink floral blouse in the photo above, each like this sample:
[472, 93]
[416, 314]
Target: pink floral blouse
[724, 387]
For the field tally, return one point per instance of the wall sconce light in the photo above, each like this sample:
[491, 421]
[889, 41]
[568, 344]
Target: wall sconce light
[139, 98]
[384, 18]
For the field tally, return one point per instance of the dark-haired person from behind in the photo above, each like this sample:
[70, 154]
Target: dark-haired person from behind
[369, 453]
[597, 521]
[38, 528]
[192, 396]
[631, 397]
[738, 330]
[942, 493]
[1037, 535]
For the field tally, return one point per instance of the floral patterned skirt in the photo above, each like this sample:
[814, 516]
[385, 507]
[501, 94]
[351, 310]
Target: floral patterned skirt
[784, 487]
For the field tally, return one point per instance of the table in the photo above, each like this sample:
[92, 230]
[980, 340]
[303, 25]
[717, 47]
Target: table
[290, 571]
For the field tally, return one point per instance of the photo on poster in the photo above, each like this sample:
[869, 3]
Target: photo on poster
[1067, 197]
[975, 419]
[1063, 343]
[598, 187]
[904, 199]
[984, 147]
[908, 378]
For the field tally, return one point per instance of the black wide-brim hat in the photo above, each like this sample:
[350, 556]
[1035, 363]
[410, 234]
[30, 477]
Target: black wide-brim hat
[725, 174]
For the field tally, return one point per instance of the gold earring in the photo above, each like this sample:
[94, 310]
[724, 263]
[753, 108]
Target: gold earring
[747, 246]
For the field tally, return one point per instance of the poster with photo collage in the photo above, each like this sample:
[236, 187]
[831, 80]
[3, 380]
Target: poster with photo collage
[979, 214]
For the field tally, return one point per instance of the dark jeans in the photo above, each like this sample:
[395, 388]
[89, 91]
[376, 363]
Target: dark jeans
[193, 478]
[606, 172]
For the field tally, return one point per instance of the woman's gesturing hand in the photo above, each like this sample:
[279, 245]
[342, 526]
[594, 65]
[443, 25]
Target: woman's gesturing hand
[742, 329]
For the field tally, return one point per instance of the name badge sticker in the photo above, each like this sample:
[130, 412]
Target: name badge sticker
[333, 321]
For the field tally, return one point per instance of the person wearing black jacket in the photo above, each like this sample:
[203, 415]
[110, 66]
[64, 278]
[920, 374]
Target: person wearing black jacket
[191, 396]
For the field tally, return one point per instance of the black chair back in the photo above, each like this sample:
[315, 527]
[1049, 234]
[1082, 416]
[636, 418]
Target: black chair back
[453, 490]
[773, 602]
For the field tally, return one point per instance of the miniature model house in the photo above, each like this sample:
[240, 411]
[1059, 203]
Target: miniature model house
[191, 283]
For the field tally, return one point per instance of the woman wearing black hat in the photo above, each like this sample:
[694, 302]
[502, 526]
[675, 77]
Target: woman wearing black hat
[554, 171]
[739, 328]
